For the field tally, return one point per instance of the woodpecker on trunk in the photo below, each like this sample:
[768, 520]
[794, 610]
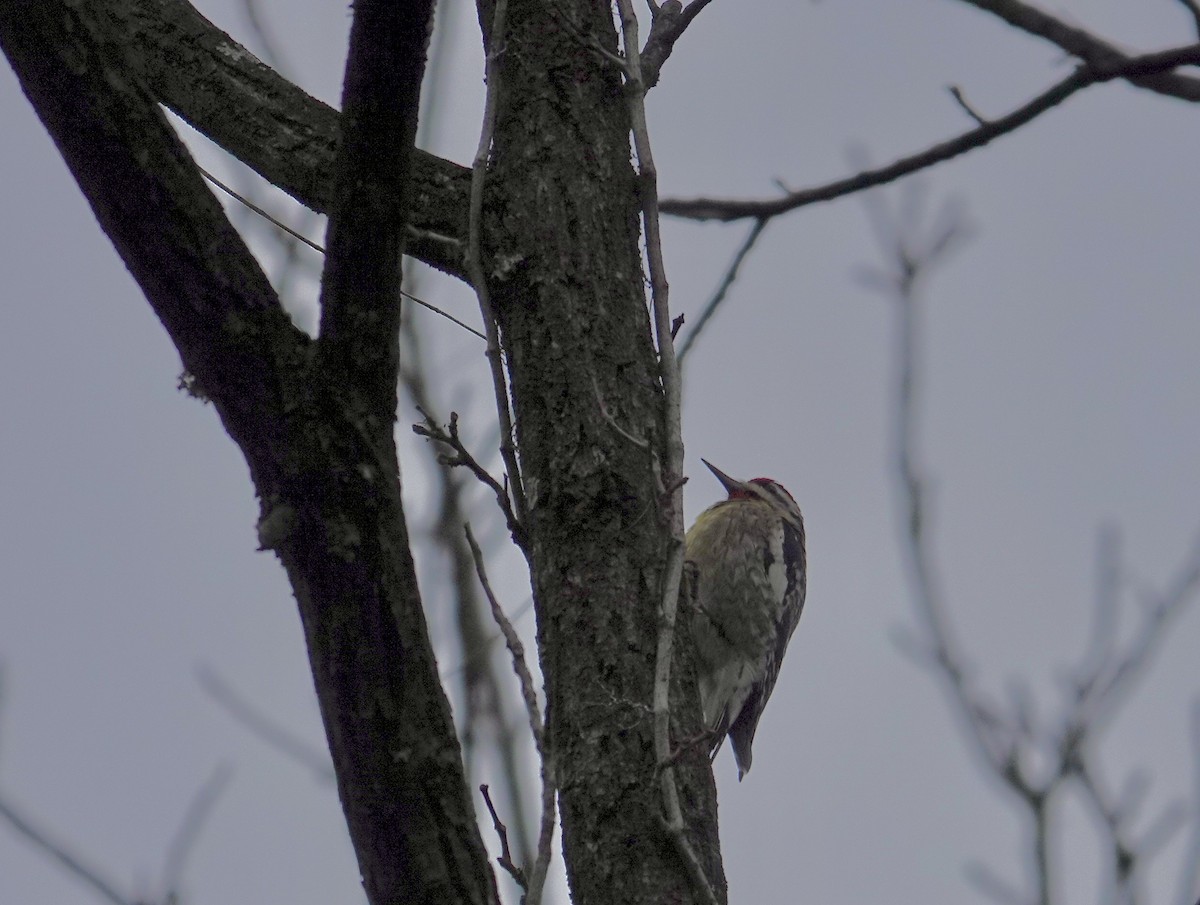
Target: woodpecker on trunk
[746, 558]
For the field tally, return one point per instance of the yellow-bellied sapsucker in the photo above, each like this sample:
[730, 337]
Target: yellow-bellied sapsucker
[746, 558]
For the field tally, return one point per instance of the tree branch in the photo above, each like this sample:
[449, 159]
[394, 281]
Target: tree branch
[1193, 9]
[1092, 50]
[668, 22]
[479, 279]
[723, 287]
[1090, 74]
[271, 125]
[195, 270]
[260, 724]
[360, 297]
[484, 695]
[40, 838]
[463, 457]
[184, 840]
[398, 763]
[1034, 760]
[671, 471]
[320, 450]
[535, 879]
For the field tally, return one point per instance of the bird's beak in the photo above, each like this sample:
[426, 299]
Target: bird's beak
[727, 482]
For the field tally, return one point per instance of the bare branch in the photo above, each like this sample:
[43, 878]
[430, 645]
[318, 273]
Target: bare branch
[723, 287]
[995, 737]
[462, 456]
[990, 733]
[957, 94]
[667, 23]
[300, 237]
[1110, 677]
[1013, 741]
[194, 818]
[474, 267]
[505, 860]
[41, 839]
[537, 874]
[515, 648]
[484, 695]
[1128, 856]
[991, 885]
[1194, 8]
[1189, 875]
[261, 725]
[1082, 77]
[271, 125]
[1086, 46]
[672, 468]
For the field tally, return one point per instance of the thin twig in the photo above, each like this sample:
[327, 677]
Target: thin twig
[1084, 45]
[991, 885]
[1194, 8]
[956, 93]
[995, 745]
[1110, 677]
[269, 51]
[513, 642]
[505, 860]
[672, 468]
[537, 873]
[1034, 759]
[1189, 875]
[474, 261]
[194, 818]
[41, 839]
[300, 237]
[265, 727]
[723, 287]
[1082, 77]
[995, 738]
[1129, 857]
[485, 695]
[462, 456]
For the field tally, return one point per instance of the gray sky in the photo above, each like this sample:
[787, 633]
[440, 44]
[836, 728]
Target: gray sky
[1061, 393]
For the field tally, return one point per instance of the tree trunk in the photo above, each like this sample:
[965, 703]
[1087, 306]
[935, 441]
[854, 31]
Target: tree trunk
[314, 419]
[572, 310]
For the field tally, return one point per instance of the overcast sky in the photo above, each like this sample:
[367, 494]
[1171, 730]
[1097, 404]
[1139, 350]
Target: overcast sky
[1061, 394]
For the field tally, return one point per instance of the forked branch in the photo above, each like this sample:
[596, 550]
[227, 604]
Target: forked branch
[1034, 759]
[459, 455]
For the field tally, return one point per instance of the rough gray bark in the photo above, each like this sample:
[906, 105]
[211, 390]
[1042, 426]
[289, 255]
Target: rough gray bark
[574, 321]
[314, 418]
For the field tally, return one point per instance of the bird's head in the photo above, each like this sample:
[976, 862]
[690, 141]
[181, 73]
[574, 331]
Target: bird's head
[768, 491]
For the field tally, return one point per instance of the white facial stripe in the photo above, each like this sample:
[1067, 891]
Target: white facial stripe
[777, 496]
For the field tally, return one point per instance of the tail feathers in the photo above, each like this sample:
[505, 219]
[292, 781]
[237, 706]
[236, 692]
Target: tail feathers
[742, 754]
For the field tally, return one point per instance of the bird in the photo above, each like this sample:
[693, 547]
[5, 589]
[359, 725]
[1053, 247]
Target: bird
[746, 560]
